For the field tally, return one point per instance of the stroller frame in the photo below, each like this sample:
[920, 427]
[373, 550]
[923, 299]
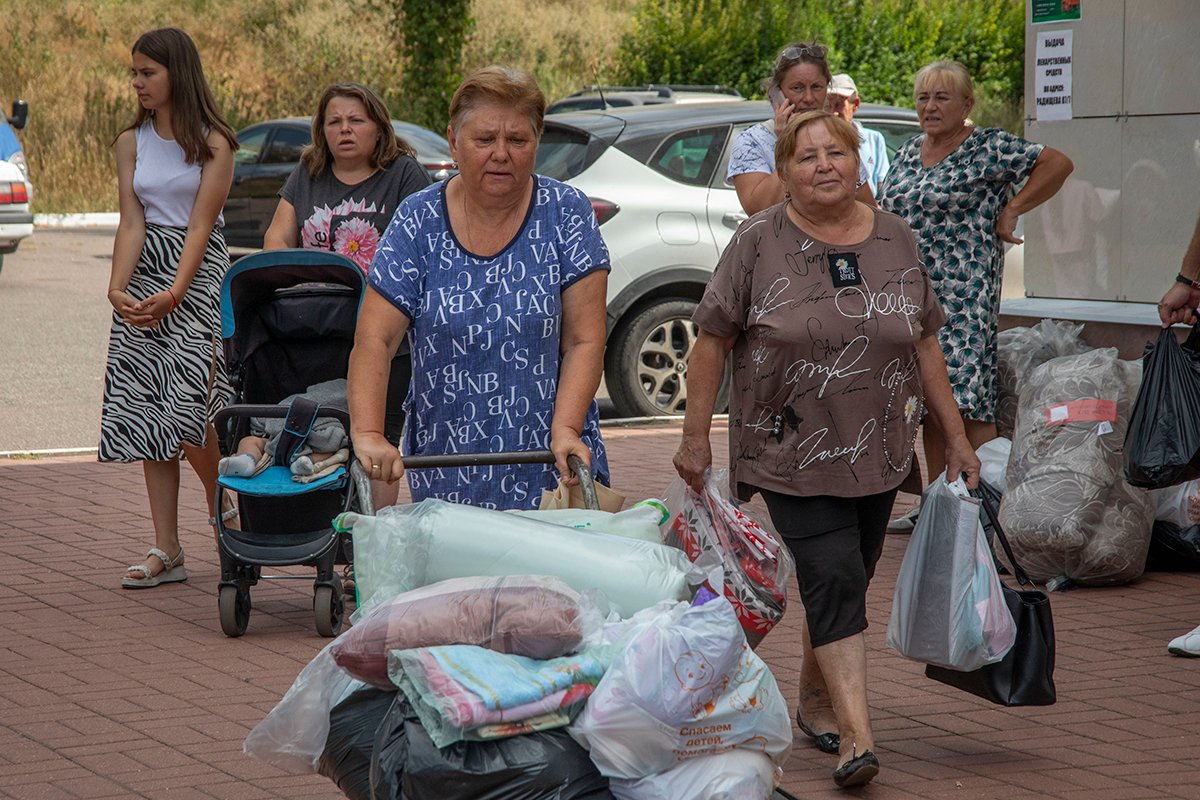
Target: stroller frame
[290, 313]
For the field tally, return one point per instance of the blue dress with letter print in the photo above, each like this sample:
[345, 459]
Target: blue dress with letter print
[485, 334]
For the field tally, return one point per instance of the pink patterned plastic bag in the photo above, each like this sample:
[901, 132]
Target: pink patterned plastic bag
[712, 529]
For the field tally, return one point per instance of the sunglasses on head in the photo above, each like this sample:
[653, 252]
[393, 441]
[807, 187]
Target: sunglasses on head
[816, 51]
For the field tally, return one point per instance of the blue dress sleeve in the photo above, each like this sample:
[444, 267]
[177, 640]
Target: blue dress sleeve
[398, 269]
[579, 240]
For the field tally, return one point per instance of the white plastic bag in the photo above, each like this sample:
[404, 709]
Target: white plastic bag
[687, 685]
[1179, 505]
[292, 736]
[948, 608]
[732, 775]
[993, 460]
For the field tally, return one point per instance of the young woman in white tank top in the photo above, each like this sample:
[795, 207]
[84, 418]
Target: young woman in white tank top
[164, 380]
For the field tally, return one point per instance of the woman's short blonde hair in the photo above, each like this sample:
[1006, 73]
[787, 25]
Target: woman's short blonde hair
[843, 132]
[502, 85]
[950, 73]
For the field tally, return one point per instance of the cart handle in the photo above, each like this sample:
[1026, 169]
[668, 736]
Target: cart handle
[586, 482]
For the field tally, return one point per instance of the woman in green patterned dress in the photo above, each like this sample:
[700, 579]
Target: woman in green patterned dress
[955, 185]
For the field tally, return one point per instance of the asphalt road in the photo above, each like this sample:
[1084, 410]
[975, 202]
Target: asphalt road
[55, 337]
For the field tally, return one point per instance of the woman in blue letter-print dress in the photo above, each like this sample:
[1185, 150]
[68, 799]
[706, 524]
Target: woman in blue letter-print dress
[498, 276]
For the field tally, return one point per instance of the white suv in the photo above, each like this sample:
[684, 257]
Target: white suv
[656, 178]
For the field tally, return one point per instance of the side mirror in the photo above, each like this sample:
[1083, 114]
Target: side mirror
[20, 114]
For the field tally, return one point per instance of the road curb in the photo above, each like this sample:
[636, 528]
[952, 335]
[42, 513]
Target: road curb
[102, 219]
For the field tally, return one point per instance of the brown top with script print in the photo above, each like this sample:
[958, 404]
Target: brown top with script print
[826, 394]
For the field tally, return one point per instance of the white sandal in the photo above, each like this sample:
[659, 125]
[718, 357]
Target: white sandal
[173, 571]
[226, 515]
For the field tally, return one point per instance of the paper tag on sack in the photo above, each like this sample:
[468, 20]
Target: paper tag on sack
[1082, 411]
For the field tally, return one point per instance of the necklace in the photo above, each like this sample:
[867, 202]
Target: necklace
[493, 240]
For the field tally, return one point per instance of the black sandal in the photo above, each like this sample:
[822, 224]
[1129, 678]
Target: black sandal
[826, 742]
[858, 771]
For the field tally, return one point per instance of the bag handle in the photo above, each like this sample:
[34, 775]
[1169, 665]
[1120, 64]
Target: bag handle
[1019, 573]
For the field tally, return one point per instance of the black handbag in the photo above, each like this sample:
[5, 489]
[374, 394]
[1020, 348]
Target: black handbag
[1025, 676]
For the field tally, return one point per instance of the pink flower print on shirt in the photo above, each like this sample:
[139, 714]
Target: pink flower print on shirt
[322, 231]
[356, 239]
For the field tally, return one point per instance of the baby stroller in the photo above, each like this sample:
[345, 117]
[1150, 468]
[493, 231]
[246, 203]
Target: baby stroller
[287, 320]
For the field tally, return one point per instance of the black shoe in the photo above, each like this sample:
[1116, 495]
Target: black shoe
[825, 742]
[858, 771]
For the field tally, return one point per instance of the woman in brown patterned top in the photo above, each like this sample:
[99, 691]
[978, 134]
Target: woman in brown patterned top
[826, 307]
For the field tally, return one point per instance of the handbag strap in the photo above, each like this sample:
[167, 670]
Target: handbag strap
[1019, 573]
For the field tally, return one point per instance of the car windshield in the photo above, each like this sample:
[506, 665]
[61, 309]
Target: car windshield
[424, 140]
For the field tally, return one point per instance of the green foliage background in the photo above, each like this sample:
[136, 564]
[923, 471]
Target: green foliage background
[881, 43]
[272, 58]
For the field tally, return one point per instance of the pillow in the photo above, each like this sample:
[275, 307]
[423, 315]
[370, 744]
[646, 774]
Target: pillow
[532, 616]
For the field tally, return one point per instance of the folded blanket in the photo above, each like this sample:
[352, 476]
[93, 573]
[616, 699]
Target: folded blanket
[501, 680]
[460, 691]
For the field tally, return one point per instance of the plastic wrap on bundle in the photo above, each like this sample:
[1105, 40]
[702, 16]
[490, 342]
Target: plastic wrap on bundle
[1019, 351]
[1068, 511]
[407, 547]
[294, 733]
[529, 615]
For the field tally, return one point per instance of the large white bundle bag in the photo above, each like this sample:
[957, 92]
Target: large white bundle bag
[1068, 510]
[407, 547]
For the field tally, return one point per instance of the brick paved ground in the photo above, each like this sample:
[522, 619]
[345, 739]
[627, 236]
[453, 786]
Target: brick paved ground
[107, 693]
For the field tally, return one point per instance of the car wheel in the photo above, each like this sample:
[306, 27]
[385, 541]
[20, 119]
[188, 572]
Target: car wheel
[646, 362]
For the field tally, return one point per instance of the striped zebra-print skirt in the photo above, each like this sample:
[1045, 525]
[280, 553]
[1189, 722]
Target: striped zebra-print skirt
[162, 386]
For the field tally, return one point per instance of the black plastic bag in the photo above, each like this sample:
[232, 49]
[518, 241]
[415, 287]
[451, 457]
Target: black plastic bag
[1174, 549]
[547, 765]
[1162, 444]
[346, 759]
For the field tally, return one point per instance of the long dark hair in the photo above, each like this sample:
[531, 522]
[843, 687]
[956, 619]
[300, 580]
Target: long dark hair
[193, 111]
[317, 157]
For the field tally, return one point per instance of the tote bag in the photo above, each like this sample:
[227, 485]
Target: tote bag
[1025, 676]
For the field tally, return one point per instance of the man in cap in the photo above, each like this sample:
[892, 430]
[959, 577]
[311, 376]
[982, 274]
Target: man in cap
[872, 151]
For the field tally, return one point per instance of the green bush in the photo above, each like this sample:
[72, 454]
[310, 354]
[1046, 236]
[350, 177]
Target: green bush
[881, 43]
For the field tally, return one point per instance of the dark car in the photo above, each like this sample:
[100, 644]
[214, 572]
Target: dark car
[268, 153]
[655, 174]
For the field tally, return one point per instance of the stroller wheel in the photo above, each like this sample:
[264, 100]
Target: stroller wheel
[328, 607]
[234, 602]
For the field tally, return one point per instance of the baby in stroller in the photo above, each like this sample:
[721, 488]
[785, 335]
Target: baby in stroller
[317, 454]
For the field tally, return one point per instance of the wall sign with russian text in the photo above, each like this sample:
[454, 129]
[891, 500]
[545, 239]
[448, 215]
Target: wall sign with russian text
[1052, 75]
